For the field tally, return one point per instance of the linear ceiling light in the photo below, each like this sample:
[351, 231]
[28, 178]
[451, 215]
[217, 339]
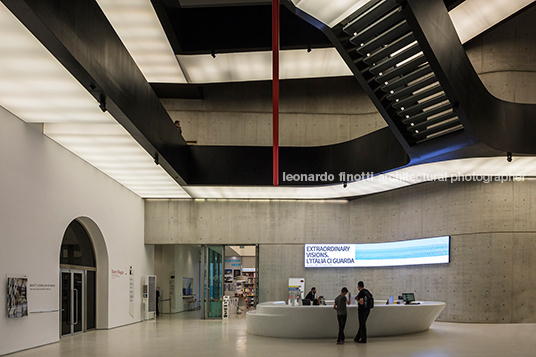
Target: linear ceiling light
[35, 87]
[329, 12]
[472, 17]
[111, 149]
[137, 24]
[469, 170]
[249, 66]
[364, 187]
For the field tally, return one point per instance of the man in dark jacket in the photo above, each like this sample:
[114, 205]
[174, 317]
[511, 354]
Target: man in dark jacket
[363, 311]
[311, 296]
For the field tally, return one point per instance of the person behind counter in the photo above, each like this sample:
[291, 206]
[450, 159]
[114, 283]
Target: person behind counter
[340, 305]
[311, 296]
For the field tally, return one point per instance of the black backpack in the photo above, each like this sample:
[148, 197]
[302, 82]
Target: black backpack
[368, 300]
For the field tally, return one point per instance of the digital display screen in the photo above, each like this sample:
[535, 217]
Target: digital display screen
[408, 297]
[409, 252]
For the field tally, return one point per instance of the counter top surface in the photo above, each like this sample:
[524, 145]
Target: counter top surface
[277, 319]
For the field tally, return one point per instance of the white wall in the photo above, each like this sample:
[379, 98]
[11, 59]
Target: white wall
[248, 262]
[43, 187]
[186, 266]
[167, 267]
[183, 261]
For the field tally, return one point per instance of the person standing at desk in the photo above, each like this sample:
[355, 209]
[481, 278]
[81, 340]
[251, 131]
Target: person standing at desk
[363, 311]
[311, 296]
[340, 305]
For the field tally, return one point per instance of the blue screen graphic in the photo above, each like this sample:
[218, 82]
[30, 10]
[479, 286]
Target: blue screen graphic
[409, 249]
[409, 252]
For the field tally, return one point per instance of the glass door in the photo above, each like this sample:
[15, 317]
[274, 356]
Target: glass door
[257, 251]
[72, 301]
[213, 258]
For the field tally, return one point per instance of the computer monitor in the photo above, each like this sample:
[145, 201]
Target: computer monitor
[408, 297]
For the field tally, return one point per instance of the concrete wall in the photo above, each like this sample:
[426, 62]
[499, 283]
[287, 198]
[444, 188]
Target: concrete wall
[332, 110]
[505, 58]
[491, 277]
[43, 188]
[312, 112]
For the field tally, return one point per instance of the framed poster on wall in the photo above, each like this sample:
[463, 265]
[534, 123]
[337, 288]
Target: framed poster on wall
[17, 298]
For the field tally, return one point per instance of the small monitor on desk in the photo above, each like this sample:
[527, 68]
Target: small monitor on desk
[408, 297]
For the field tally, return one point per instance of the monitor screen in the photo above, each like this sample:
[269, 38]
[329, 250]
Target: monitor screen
[408, 297]
[407, 252]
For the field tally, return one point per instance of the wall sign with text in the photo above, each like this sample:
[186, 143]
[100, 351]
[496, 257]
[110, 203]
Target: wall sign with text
[408, 252]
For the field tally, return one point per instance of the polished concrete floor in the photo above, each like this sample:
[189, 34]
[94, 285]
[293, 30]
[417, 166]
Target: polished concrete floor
[185, 334]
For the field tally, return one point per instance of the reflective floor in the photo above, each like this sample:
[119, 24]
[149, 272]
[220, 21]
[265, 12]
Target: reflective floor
[185, 334]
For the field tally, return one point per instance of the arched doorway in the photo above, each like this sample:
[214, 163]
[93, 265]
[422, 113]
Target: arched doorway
[78, 266]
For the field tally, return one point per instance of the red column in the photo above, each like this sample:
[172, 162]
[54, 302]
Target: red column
[275, 88]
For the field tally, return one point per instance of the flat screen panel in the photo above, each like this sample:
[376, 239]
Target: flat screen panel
[408, 297]
[409, 252]
[187, 286]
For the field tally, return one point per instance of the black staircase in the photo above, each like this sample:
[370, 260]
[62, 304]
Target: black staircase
[387, 54]
[408, 58]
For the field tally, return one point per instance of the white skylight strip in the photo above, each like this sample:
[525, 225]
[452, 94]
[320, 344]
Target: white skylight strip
[38, 89]
[524, 166]
[483, 170]
[34, 85]
[379, 184]
[137, 24]
[472, 17]
[330, 12]
[111, 149]
[250, 66]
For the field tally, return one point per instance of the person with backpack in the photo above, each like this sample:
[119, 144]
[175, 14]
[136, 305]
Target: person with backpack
[365, 302]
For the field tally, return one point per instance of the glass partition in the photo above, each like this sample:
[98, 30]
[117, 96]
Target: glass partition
[213, 281]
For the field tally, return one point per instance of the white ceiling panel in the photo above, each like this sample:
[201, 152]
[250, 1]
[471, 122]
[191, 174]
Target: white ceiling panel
[328, 11]
[484, 170]
[248, 66]
[38, 89]
[111, 149]
[472, 17]
[137, 24]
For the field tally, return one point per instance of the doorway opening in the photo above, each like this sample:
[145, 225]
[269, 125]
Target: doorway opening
[78, 271]
[193, 277]
[232, 272]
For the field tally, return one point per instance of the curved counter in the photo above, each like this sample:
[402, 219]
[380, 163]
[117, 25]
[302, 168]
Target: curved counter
[276, 319]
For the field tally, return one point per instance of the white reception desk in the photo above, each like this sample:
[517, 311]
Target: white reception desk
[276, 319]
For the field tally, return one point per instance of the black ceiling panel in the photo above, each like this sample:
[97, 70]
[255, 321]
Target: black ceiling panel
[234, 29]
[241, 27]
